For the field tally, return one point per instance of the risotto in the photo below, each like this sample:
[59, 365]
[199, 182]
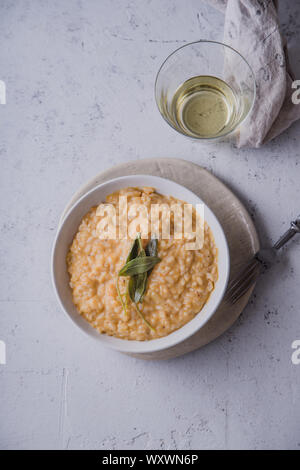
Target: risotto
[177, 288]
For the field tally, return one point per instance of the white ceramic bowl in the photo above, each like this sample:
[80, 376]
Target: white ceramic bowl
[69, 227]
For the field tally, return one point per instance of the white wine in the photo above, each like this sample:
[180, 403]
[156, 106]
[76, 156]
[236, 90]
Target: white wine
[203, 106]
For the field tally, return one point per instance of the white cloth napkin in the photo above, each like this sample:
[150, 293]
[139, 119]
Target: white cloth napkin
[252, 28]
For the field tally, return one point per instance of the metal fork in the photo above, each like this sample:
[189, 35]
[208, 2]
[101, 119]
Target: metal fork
[261, 260]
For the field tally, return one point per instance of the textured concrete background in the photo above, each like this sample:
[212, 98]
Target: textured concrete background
[79, 78]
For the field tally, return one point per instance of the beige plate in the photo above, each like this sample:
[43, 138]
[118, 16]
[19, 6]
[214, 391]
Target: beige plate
[238, 227]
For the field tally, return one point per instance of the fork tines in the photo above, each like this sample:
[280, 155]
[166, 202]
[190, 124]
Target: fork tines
[239, 286]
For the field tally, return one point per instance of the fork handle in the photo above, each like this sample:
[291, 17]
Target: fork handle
[290, 233]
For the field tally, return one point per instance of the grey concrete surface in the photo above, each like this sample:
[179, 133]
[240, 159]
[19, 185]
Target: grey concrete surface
[79, 77]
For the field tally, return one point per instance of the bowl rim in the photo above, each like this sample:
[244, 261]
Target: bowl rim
[195, 137]
[134, 346]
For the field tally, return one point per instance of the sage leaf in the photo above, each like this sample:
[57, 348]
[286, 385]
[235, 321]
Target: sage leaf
[151, 248]
[132, 287]
[140, 287]
[136, 284]
[139, 265]
[140, 279]
[134, 251]
[133, 254]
